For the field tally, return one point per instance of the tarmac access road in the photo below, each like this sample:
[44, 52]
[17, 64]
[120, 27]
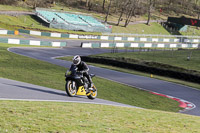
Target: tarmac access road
[48, 54]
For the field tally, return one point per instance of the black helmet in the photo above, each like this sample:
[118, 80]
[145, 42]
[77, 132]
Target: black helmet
[76, 60]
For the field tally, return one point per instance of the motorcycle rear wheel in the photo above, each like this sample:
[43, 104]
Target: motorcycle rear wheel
[93, 94]
[69, 89]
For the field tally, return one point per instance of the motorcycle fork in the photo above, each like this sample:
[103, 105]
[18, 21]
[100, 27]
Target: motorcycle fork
[73, 85]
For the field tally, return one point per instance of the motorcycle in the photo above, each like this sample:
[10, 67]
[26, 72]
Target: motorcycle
[77, 84]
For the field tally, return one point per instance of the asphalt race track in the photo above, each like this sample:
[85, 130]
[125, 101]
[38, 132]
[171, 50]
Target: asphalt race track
[48, 54]
[15, 90]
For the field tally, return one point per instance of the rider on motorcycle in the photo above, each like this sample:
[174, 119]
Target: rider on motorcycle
[82, 68]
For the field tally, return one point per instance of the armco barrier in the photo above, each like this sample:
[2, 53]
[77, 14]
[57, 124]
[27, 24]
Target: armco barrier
[138, 45]
[152, 70]
[32, 42]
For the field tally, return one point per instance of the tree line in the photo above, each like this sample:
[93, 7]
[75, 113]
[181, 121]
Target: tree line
[125, 9]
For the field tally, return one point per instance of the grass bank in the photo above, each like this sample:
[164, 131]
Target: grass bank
[22, 117]
[176, 58]
[13, 8]
[153, 28]
[30, 23]
[41, 73]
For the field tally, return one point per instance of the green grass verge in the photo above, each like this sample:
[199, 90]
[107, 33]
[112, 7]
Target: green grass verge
[15, 22]
[176, 58]
[15, 36]
[194, 85]
[154, 28]
[41, 73]
[23, 117]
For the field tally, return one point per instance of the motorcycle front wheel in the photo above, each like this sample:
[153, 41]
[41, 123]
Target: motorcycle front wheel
[70, 89]
[93, 94]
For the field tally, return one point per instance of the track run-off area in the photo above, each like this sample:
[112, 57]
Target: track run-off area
[187, 97]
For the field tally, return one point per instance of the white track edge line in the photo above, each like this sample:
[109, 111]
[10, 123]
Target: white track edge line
[62, 101]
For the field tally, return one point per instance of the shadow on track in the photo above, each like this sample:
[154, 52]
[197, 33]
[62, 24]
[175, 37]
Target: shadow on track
[45, 91]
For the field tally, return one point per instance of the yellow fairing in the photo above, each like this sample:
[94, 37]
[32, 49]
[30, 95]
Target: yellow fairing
[81, 91]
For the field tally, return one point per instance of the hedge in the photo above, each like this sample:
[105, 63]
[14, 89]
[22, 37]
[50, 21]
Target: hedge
[187, 76]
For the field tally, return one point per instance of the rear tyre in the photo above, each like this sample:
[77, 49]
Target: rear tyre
[70, 90]
[93, 94]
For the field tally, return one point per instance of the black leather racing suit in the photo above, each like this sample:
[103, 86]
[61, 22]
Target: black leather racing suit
[83, 68]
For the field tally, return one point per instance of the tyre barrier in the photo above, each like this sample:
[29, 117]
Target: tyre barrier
[133, 38]
[58, 35]
[7, 32]
[115, 38]
[32, 42]
[138, 45]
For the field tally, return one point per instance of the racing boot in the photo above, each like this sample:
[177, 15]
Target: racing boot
[91, 88]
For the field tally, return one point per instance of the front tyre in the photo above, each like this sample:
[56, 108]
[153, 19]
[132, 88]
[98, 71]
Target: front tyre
[70, 88]
[93, 94]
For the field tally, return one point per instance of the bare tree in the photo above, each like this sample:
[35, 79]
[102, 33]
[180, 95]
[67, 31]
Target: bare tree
[169, 3]
[131, 11]
[124, 6]
[150, 6]
[116, 5]
[87, 3]
[90, 5]
[103, 6]
[106, 18]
